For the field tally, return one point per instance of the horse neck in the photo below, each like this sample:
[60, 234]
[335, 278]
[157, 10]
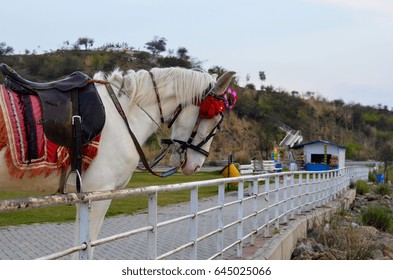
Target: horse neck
[145, 104]
[146, 119]
[141, 103]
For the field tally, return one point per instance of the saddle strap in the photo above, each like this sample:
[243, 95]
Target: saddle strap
[134, 139]
[76, 156]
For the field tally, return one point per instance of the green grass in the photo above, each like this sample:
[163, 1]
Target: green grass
[362, 187]
[383, 189]
[119, 206]
[378, 217]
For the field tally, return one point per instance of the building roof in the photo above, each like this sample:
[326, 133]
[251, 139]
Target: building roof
[315, 142]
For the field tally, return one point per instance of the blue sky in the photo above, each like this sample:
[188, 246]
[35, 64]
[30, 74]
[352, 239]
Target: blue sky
[339, 49]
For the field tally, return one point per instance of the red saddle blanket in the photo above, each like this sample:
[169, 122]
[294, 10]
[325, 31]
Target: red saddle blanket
[28, 150]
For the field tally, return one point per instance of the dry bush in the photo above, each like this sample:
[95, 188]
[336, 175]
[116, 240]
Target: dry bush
[345, 242]
[242, 157]
[236, 135]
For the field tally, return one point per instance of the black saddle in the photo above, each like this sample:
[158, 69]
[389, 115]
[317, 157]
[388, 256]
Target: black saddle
[75, 80]
[62, 101]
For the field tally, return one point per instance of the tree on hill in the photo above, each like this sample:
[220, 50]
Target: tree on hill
[385, 154]
[156, 46]
[219, 70]
[5, 50]
[182, 53]
[84, 41]
[262, 77]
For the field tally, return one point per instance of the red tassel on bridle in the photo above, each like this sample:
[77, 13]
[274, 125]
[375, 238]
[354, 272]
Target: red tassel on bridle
[211, 107]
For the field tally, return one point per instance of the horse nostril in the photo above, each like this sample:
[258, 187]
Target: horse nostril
[197, 168]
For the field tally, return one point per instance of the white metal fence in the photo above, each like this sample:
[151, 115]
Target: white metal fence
[261, 205]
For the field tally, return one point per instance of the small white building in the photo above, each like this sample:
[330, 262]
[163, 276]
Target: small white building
[322, 155]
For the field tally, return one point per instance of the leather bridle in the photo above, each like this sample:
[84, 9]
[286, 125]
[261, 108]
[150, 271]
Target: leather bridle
[184, 145]
[188, 144]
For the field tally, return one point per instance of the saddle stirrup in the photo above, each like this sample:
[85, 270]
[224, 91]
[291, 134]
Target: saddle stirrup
[63, 185]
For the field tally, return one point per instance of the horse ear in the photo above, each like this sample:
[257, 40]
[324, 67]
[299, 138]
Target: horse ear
[223, 82]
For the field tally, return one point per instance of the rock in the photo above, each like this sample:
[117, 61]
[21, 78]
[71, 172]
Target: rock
[388, 251]
[368, 231]
[319, 248]
[303, 248]
[377, 255]
[372, 197]
[298, 251]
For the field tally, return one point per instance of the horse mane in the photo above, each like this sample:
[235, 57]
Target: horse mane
[189, 85]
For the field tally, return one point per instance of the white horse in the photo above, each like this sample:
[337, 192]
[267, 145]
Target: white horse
[117, 156]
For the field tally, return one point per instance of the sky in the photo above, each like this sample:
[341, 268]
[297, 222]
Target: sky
[338, 49]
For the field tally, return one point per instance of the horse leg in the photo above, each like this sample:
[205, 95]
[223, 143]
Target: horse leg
[98, 210]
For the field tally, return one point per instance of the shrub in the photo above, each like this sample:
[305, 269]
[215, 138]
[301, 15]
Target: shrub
[344, 243]
[378, 217]
[383, 189]
[362, 187]
[242, 157]
[372, 177]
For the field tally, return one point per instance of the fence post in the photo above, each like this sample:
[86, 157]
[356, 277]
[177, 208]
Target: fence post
[255, 209]
[337, 180]
[286, 202]
[194, 222]
[220, 217]
[329, 187]
[318, 200]
[84, 229]
[346, 179]
[292, 186]
[340, 179]
[299, 194]
[308, 192]
[314, 191]
[323, 188]
[267, 195]
[152, 221]
[276, 200]
[240, 197]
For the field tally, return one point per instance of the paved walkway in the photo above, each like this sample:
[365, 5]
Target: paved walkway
[34, 241]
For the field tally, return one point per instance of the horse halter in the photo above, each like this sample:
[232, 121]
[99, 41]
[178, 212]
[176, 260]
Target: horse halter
[180, 146]
[188, 144]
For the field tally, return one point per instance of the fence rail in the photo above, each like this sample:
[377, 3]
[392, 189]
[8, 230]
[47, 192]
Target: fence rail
[261, 205]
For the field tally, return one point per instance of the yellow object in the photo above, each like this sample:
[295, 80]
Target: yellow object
[230, 171]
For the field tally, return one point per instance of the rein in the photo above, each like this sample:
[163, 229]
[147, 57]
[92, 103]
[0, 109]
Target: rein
[157, 95]
[136, 143]
[188, 144]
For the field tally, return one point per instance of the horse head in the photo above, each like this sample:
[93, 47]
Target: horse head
[195, 126]
[192, 102]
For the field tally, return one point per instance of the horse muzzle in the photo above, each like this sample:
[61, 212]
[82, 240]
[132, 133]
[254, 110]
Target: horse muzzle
[187, 161]
[190, 170]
